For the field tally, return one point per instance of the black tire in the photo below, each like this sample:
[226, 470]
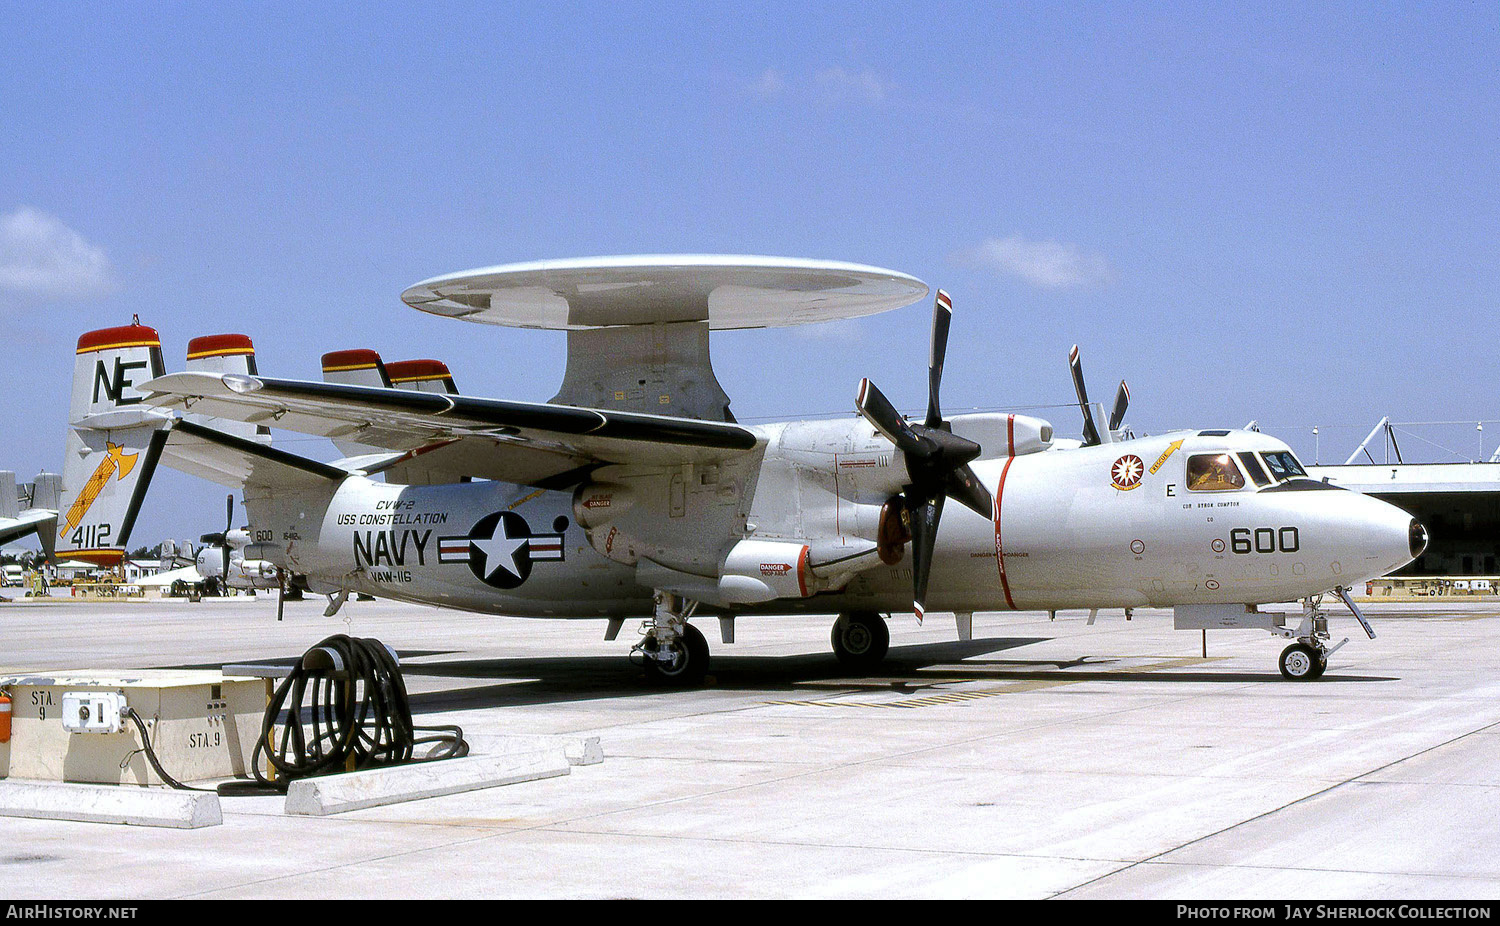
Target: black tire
[860, 639]
[689, 665]
[1321, 665]
[1300, 663]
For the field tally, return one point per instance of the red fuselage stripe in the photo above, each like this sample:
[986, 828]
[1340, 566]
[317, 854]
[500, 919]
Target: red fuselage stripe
[1000, 547]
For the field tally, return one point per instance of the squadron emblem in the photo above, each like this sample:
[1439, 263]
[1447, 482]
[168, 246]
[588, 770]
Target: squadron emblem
[1127, 471]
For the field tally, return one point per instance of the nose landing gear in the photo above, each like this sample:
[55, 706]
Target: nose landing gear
[1307, 659]
[1303, 661]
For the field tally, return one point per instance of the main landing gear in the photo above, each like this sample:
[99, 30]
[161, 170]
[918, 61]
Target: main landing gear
[860, 639]
[1307, 659]
[674, 652]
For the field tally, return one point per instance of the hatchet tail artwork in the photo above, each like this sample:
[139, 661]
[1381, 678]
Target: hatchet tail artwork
[635, 494]
[113, 442]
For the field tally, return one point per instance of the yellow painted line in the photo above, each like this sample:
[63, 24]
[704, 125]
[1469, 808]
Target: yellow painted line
[526, 499]
[222, 352]
[121, 346]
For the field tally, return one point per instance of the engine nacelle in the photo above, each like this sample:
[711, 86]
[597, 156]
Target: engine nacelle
[597, 503]
[760, 570]
[1004, 435]
[596, 506]
[253, 569]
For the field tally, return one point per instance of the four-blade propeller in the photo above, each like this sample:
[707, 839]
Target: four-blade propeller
[221, 540]
[1117, 414]
[937, 460]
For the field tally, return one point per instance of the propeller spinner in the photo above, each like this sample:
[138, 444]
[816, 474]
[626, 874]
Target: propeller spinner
[936, 459]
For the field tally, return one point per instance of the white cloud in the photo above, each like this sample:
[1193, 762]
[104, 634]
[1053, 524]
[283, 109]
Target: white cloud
[834, 86]
[838, 86]
[770, 84]
[1044, 264]
[42, 258]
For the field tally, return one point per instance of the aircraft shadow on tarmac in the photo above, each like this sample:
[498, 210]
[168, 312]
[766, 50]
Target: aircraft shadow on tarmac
[906, 670]
[532, 680]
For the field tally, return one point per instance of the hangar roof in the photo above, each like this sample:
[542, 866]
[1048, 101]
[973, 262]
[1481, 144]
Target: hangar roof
[1412, 478]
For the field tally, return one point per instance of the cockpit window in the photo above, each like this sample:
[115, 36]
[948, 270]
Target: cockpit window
[1283, 465]
[1253, 467]
[1213, 472]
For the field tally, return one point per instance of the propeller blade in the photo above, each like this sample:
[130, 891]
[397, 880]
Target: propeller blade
[1090, 430]
[925, 515]
[879, 411]
[937, 462]
[964, 487]
[224, 544]
[942, 318]
[280, 592]
[1122, 402]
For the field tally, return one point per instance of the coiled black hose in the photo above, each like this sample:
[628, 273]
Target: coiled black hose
[346, 708]
[359, 717]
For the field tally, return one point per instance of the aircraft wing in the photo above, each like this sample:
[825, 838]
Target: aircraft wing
[531, 443]
[26, 523]
[163, 579]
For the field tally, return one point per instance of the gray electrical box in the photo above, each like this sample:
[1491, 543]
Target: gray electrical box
[203, 725]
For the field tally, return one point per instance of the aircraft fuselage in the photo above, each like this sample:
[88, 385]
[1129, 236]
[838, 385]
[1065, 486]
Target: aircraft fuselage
[1122, 524]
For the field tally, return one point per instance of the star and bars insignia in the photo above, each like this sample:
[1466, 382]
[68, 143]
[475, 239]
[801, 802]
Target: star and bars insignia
[500, 549]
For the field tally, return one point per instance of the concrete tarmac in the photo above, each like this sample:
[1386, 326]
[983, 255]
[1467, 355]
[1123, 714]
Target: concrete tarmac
[1042, 759]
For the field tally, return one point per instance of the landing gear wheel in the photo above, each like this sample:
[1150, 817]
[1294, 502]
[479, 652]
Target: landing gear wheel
[1302, 663]
[1320, 666]
[689, 661]
[860, 639]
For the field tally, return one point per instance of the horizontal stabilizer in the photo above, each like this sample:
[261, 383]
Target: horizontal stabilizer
[34, 521]
[239, 463]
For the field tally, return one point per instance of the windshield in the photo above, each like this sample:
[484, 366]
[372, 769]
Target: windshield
[1213, 472]
[1283, 465]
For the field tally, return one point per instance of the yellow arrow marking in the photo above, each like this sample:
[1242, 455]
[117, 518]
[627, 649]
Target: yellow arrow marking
[116, 460]
[1171, 449]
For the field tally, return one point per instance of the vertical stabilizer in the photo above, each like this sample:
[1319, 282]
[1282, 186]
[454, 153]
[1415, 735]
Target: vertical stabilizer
[422, 376]
[10, 502]
[354, 368]
[113, 443]
[220, 354]
[46, 490]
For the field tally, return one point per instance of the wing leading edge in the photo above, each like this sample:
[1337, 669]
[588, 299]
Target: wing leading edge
[528, 442]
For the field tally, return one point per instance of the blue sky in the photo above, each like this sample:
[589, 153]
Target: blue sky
[1286, 212]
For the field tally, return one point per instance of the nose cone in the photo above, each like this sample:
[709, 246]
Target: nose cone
[1416, 538]
[1393, 536]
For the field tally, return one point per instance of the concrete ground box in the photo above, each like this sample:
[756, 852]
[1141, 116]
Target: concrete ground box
[203, 725]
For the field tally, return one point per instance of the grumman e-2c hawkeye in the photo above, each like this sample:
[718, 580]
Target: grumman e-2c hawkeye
[635, 493]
